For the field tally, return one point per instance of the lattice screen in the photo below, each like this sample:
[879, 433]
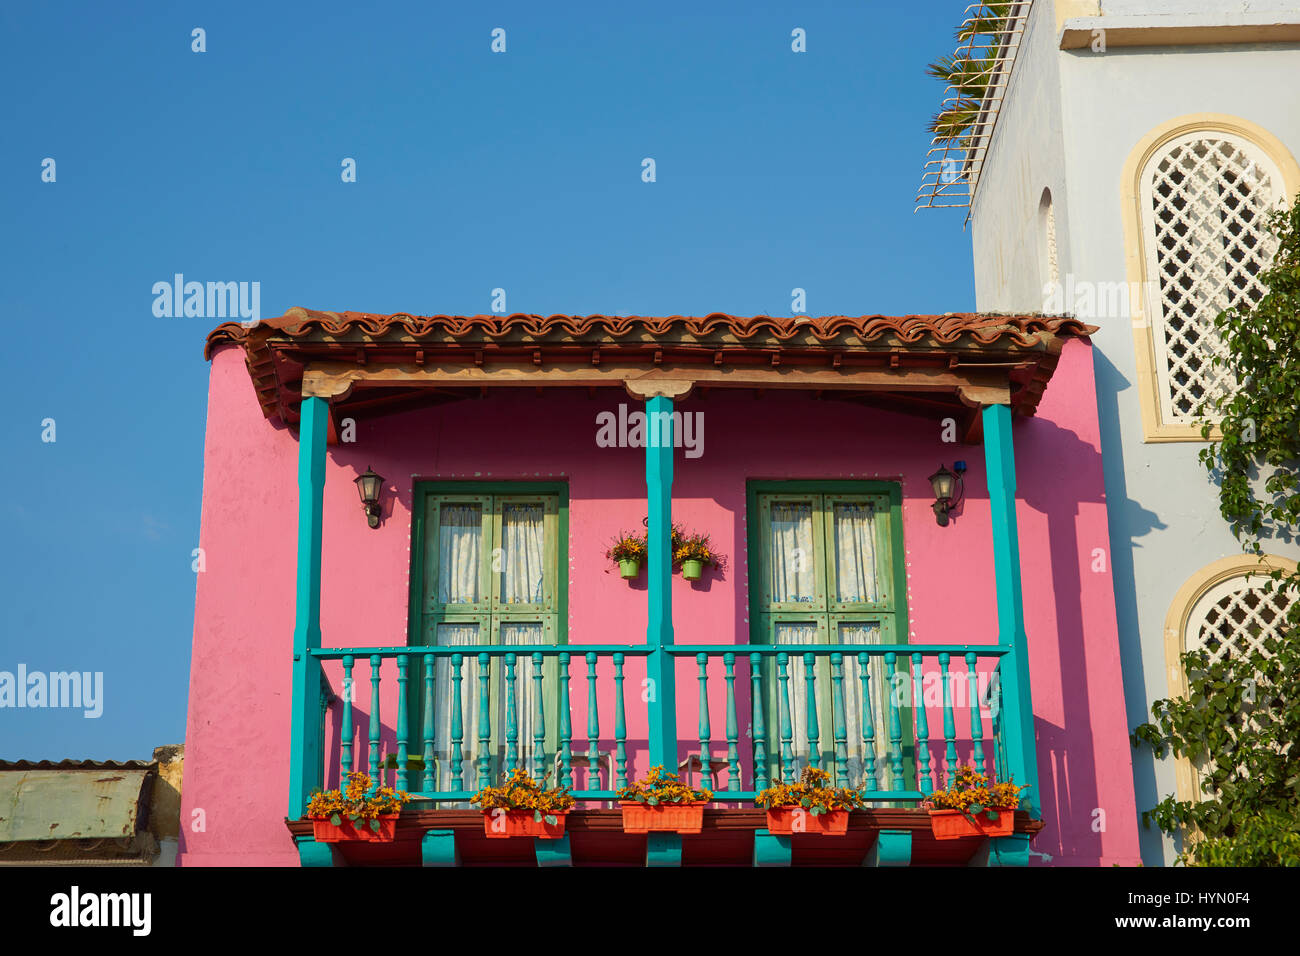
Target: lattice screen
[1235, 617]
[1205, 202]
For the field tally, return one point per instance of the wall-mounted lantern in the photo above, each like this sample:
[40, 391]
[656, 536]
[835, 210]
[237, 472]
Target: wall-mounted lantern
[369, 486]
[949, 489]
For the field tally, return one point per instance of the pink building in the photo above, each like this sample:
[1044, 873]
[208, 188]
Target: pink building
[473, 626]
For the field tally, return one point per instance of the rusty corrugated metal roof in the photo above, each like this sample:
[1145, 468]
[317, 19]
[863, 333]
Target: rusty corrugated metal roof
[78, 802]
[72, 764]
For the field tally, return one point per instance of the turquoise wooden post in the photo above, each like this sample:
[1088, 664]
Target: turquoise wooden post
[949, 723]
[922, 724]
[512, 718]
[484, 724]
[895, 726]
[306, 740]
[428, 781]
[787, 733]
[868, 726]
[593, 727]
[566, 726]
[375, 726]
[403, 722]
[458, 779]
[839, 721]
[813, 735]
[1017, 701]
[759, 730]
[976, 724]
[661, 708]
[345, 724]
[620, 725]
[733, 733]
[539, 722]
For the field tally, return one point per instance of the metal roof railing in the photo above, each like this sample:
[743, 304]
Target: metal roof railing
[954, 162]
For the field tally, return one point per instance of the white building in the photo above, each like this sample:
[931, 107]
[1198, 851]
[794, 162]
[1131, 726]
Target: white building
[1123, 173]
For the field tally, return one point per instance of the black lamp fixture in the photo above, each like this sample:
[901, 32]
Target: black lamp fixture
[369, 485]
[949, 489]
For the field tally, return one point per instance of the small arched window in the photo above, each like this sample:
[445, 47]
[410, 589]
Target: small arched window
[1049, 265]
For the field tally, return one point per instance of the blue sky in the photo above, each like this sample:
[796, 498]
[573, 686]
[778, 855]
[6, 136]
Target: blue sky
[475, 171]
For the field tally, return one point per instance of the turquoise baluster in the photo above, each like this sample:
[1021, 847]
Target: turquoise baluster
[810, 680]
[733, 732]
[403, 721]
[484, 724]
[839, 721]
[787, 733]
[375, 779]
[512, 718]
[566, 725]
[539, 722]
[761, 779]
[705, 757]
[593, 726]
[976, 724]
[458, 773]
[895, 726]
[868, 725]
[995, 707]
[620, 724]
[949, 723]
[346, 766]
[922, 725]
[427, 780]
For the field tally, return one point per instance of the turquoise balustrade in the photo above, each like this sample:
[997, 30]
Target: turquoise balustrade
[894, 765]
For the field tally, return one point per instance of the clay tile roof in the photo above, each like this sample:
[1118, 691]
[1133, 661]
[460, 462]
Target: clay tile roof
[984, 328]
[277, 349]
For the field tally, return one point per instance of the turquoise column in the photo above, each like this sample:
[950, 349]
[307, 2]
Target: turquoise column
[306, 739]
[662, 706]
[1017, 704]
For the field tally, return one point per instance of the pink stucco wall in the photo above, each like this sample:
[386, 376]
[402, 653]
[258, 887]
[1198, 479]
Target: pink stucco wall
[237, 742]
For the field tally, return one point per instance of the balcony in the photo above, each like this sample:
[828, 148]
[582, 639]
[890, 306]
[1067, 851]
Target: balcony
[866, 713]
[892, 721]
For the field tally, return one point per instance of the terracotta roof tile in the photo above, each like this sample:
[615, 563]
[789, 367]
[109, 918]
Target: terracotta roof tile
[277, 349]
[984, 328]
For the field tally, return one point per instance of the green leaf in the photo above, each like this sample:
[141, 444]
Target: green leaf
[653, 801]
[335, 820]
[374, 825]
[552, 819]
[537, 816]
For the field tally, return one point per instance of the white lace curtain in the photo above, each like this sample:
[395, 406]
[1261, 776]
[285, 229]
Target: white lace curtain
[522, 576]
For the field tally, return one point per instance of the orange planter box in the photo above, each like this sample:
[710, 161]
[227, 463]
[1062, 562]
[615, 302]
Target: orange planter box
[325, 832]
[664, 818]
[787, 820]
[521, 823]
[953, 824]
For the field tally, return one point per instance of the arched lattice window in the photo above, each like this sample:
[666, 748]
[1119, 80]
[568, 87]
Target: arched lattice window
[1227, 613]
[1205, 198]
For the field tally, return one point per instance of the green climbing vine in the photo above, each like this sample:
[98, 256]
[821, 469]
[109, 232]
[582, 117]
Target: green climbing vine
[1241, 717]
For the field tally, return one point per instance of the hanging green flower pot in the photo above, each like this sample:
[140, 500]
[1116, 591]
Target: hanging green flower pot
[692, 570]
[629, 568]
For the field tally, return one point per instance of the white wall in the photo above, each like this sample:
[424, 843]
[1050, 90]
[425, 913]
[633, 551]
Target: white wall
[1070, 122]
